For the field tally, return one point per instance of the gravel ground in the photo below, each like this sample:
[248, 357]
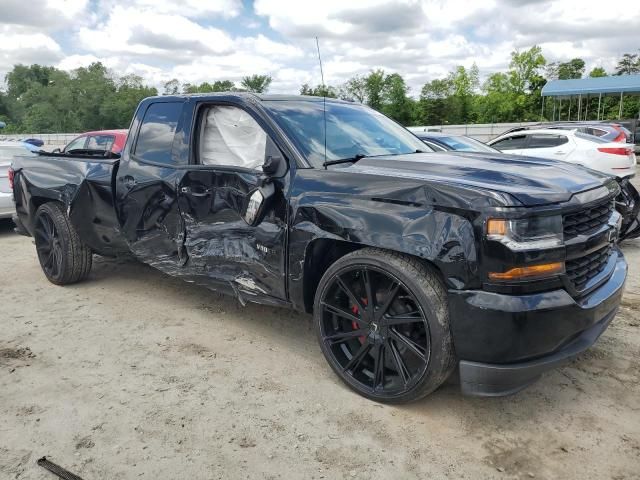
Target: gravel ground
[134, 374]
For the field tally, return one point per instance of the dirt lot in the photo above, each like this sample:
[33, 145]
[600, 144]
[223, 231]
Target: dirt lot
[134, 374]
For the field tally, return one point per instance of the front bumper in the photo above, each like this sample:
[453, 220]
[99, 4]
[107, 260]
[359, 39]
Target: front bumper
[505, 342]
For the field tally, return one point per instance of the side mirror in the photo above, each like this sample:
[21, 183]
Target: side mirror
[56, 150]
[256, 204]
[274, 164]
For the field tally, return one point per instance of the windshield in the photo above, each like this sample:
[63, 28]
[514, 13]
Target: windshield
[466, 144]
[352, 129]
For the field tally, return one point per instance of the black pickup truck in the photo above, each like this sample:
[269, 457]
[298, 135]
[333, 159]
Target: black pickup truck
[412, 262]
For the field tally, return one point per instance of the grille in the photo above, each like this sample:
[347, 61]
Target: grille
[583, 269]
[586, 221]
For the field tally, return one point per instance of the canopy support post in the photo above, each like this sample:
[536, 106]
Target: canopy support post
[599, 100]
[569, 114]
[542, 112]
[586, 110]
[579, 105]
[620, 111]
[553, 117]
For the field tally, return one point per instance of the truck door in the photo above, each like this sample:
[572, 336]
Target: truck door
[145, 188]
[235, 217]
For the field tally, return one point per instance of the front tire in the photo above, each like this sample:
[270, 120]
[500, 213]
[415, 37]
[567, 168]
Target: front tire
[63, 257]
[382, 321]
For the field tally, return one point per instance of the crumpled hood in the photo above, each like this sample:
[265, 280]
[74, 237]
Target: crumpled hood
[532, 181]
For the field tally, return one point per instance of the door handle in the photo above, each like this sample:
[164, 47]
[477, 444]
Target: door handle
[188, 191]
[559, 153]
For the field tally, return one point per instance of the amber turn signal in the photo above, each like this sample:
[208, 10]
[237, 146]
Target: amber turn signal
[497, 226]
[520, 273]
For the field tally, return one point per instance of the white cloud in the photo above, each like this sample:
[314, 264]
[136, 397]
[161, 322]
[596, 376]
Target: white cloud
[208, 40]
[187, 8]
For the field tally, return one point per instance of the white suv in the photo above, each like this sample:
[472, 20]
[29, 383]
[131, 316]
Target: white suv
[571, 146]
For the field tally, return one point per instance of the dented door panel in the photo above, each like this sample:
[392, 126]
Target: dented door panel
[221, 246]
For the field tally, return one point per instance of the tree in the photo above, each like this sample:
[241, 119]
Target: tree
[432, 107]
[524, 66]
[256, 83]
[374, 87]
[597, 72]
[354, 89]
[628, 64]
[396, 102]
[464, 84]
[217, 86]
[318, 91]
[172, 87]
[572, 69]
[45, 99]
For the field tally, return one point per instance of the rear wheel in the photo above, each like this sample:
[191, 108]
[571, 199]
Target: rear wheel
[63, 257]
[382, 321]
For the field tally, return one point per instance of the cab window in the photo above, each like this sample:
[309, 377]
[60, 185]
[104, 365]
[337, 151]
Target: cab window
[155, 140]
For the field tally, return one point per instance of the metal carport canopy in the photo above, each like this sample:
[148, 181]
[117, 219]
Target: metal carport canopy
[598, 85]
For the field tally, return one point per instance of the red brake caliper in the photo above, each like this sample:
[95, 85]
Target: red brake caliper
[354, 324]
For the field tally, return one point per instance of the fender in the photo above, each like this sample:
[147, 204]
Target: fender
[435, 224]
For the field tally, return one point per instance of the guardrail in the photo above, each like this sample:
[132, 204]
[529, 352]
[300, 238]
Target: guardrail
[51, 140]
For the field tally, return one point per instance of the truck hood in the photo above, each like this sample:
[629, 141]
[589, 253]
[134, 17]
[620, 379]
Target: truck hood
[531, 181]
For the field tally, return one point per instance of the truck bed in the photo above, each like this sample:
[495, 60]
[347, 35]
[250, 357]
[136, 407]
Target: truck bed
[83, 184]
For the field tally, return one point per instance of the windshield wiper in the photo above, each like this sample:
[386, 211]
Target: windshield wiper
[354, 159]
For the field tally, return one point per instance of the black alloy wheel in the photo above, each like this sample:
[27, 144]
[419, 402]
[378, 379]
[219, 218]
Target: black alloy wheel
[64, 258]
[48, 245]
[374, 328]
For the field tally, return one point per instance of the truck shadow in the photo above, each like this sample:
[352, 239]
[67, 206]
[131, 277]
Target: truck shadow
[6, 228]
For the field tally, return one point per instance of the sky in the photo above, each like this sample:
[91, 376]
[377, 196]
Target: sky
[208, 40]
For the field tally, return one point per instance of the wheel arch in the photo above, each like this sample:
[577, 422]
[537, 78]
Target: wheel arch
[321, 253]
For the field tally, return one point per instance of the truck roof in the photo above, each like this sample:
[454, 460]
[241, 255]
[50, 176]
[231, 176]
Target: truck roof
[258, 96]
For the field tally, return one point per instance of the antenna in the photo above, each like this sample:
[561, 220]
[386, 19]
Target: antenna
[324, 104]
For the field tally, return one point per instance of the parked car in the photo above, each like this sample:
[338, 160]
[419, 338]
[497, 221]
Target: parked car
[411, 262]
[7, 151]
[570, 146]
[611, 132]
[451, 142]
[97, 142]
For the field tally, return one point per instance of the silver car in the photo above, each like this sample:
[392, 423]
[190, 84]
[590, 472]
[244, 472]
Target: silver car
[7, 151]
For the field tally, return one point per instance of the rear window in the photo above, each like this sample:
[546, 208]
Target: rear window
[100, 142]
[155, 139]
[510, 143]
[540, 140]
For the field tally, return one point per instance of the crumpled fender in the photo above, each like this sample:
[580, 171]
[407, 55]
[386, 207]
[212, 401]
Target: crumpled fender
[628, 204]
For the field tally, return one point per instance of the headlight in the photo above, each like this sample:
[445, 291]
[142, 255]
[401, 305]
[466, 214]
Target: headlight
[526, 233]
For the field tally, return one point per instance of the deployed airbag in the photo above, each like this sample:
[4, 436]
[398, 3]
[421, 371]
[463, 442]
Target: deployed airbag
[230, 136]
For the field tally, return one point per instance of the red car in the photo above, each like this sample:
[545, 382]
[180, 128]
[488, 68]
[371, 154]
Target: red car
[105, 140]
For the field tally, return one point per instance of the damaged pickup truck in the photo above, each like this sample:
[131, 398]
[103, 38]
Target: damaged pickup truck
[412, 262]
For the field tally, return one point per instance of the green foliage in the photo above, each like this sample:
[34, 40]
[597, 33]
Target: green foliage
[205, 87]
[319, 91]
[629, 64]
[598, 72]
[46, 100]
[572, 69]
[256, 83]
